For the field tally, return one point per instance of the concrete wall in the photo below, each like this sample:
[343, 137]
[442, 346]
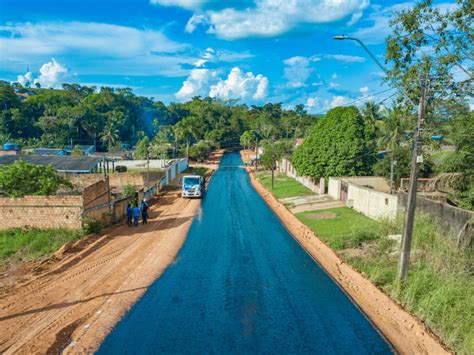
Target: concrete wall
[372, 203]
[116, 180]
[284, 166]
[142, 164]
[454, 221]
[334, 188]
[41, 212]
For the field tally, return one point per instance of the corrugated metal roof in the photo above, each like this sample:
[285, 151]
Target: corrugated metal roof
[60, 163]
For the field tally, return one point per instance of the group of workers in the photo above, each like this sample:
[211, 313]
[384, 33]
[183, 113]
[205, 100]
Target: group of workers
[133, 213]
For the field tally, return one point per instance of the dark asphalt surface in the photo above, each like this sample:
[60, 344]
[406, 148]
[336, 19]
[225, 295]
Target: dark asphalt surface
[241, 284]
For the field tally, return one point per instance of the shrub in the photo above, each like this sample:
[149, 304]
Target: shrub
[21, 178]
[91, 226]
[121, 169]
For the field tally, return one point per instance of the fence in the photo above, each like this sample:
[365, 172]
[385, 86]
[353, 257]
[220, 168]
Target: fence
[284, 166]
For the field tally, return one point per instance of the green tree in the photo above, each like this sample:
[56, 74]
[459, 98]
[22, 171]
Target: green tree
[200, 151]
[248, 140]
[427, 40]
[402, 157]
[142, 149]
[109, 135]
[20, 179]
[186, 130]
[339, 145]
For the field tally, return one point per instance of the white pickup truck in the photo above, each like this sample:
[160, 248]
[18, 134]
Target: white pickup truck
[192, 186]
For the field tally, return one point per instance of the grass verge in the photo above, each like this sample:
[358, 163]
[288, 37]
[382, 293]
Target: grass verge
[440, 285]
[28, 244]
[285, 186]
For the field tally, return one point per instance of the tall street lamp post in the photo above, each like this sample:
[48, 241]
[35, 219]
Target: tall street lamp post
[405, 247]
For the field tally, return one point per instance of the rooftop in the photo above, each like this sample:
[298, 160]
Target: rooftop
[66, 164]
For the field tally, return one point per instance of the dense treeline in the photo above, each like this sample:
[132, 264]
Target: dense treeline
[111, 117]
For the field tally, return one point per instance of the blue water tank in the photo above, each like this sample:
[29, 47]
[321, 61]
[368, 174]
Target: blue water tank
[11, 146]
[437, 137]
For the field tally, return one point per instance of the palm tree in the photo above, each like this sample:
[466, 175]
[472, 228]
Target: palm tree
[109, 135]
[186, 129]
[393, 128]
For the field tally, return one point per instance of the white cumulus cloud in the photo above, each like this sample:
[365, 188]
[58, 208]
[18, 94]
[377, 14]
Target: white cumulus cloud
[240, 85]
[270, 18]
[237, 85]
[338, 101]
[26, 79]
[345, 58]
[197, 84]
[51, 74]
[186, 4]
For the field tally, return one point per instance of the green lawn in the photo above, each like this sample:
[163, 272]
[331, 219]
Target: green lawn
[285, 186]
[339, 227]
[30, 244]
[440, 285]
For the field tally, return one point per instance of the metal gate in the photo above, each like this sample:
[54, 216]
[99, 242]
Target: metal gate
[344, 189]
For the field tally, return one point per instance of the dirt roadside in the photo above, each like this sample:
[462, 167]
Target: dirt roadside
[404, 331]
[75, 303]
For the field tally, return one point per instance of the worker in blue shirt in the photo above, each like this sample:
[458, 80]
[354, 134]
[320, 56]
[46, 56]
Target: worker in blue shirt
[144, 208]
[129, 214]
[136, 215]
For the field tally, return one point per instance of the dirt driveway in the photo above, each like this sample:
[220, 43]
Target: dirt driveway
[75, 304]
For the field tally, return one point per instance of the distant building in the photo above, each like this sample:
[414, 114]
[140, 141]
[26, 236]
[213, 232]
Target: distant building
[298, 142]
[63, 164]
[86, 149]
[45, 151]
[24, 95]
[10, 149]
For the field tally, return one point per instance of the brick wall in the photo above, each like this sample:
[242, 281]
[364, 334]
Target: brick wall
[41, 212]
[116, 180]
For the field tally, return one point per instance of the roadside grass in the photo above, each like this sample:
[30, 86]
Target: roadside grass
[440, 284]
[348, 228]
[285, 186]
[17, 245]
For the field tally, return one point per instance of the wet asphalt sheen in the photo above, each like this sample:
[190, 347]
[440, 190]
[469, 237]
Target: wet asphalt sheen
[241, 284]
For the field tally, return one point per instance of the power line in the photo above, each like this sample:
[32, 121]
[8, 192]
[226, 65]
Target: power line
[362, 99]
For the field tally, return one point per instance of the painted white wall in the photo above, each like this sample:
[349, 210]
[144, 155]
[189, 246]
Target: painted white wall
[334, 188]
[142, 164]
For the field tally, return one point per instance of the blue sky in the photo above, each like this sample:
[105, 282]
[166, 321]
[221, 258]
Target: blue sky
[253, 50]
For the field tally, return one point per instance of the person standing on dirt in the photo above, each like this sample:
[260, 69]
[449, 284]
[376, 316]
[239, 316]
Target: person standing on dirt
[136, 215]
[144, 208]
[129, 214]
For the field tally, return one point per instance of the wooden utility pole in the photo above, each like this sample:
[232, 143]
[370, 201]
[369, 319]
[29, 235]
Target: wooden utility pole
[405, 247]
[256, 156]
[393, 162]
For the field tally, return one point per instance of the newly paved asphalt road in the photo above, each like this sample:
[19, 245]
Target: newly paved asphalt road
[241, 284]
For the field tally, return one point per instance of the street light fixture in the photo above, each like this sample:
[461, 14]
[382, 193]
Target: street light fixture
[405, 245]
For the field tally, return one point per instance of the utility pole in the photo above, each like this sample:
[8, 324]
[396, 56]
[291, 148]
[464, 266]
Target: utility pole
[256, 155]
[392, 168]
[405, 247]
[148, 170]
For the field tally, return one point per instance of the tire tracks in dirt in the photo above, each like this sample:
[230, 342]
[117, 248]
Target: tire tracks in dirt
[75, 305]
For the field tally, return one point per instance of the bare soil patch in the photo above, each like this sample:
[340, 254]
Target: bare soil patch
[322, 215]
